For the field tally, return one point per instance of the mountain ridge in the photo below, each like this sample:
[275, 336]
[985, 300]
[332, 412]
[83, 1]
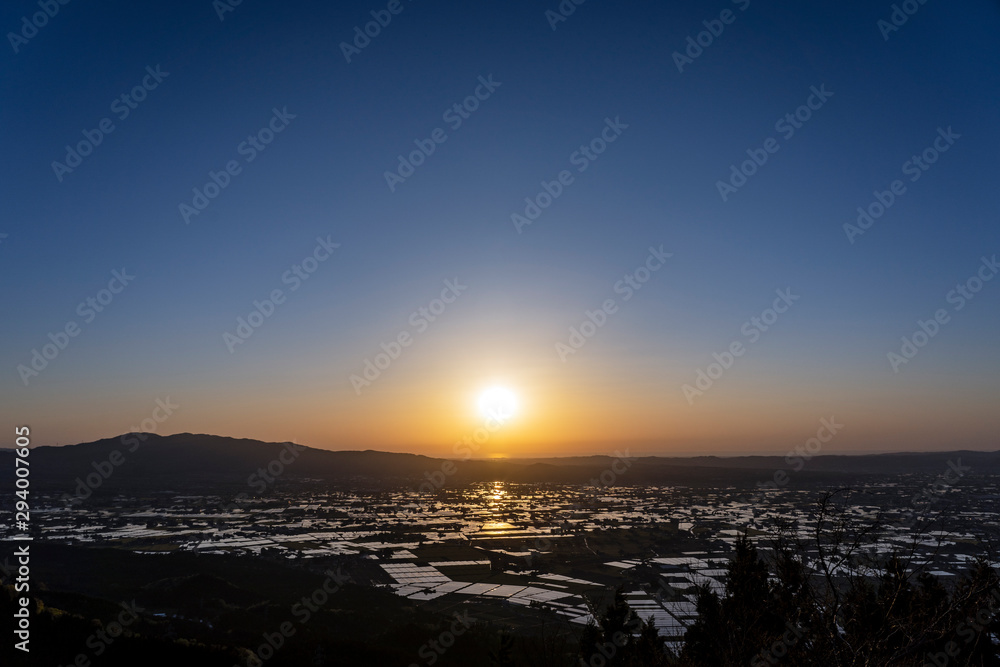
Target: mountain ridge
[151, 462]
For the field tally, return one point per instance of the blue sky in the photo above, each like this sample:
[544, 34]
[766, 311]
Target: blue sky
[323, 176]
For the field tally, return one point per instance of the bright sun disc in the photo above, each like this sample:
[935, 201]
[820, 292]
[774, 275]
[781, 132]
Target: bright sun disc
[498, 403]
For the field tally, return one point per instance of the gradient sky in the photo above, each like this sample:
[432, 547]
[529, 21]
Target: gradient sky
[323, 176]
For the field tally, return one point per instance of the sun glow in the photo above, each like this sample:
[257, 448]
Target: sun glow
[498, 403]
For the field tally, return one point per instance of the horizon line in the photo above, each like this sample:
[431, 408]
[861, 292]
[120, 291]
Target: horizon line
[533, 458]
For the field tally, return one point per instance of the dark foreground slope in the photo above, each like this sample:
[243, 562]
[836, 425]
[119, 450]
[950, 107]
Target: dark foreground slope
[219, 611]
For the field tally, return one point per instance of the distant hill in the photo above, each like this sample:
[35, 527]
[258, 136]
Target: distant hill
[219, 464]
[892, 463]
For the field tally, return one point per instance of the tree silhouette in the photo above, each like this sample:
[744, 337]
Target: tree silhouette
[832, 602]
[622, 639]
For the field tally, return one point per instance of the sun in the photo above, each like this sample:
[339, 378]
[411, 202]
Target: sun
[499, 403]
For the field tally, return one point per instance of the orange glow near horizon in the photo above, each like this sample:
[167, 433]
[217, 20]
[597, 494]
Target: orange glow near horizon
[576, 409]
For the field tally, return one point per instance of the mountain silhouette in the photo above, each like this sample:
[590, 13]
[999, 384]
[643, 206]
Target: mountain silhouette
[151, 462]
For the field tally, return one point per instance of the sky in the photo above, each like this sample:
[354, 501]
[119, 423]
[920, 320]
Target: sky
[640, 219]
